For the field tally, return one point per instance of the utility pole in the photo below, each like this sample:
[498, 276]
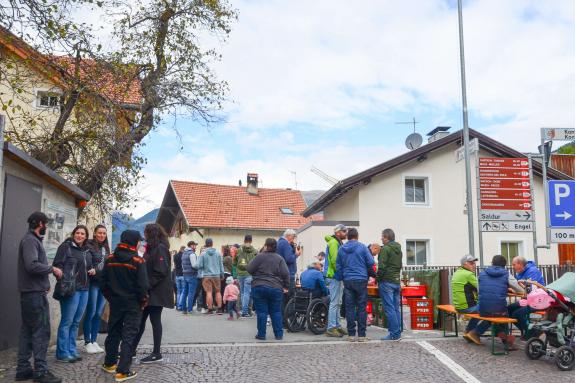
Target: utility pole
[468, 190]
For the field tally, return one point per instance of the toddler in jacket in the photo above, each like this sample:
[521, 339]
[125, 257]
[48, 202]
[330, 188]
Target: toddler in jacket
[230, 299]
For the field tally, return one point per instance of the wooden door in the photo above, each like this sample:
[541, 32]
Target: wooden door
[566, 253]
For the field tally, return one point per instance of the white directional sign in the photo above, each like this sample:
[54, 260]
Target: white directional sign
[505, 215]
[506, 226]
[563, 235]
[559, 134]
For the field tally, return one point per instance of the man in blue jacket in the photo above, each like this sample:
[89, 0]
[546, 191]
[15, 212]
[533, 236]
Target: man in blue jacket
[524, 270]
[354, 262]
[312, 280]
[289, 252]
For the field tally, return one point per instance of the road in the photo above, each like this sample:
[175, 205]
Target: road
[211, 349]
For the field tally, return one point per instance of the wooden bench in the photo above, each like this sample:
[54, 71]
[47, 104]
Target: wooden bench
[448, 311]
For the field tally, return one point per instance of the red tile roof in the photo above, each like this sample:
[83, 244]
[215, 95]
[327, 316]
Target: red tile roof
[222, 206]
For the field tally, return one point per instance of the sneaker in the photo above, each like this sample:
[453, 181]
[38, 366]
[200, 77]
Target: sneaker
[246, 315]
[123, 377]
[260, 338]
[110, 369]
[97, 347]
[204, 311]
[341, 330]
[362, 339]
[152, 358]
[90, 349]
[351, 338]
[77, 358]
[279, 337]
[24, 376]
[66, 360]
[47, 377]
[333, 332]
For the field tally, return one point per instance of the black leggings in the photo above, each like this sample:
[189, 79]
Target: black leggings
[155, 314]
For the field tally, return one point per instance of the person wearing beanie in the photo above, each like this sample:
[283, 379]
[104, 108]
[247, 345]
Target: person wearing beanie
[230, 298]
[124, 283]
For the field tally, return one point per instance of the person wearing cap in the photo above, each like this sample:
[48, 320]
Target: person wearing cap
[230, 298]
[212, 268]
[464, 290]
[245, 255]
[33, 284]
[124, 283]
[190, 274]
[313, 281]
[335, 287]
[271, 279]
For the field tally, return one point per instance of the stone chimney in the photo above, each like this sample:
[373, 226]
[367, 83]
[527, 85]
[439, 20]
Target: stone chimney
[252, 183]
[438, 133]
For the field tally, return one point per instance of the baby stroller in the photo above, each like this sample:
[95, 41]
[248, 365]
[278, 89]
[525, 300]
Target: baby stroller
[557, 299]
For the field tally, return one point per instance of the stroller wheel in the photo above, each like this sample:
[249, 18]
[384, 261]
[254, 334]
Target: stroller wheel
[535, 348]
[565, 358]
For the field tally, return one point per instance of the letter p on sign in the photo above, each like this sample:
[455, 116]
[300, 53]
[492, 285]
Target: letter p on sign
[561, 191]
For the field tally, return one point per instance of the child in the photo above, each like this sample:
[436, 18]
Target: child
[231, 297]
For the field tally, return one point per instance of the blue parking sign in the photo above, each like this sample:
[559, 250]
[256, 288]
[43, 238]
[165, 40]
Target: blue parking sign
[561, 203]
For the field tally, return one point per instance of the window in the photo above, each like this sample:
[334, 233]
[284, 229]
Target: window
[510, 250]
[47, 99]
[286, 210]
[416, 190]
[416, 252]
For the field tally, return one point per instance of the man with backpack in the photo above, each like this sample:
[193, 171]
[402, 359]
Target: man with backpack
[124, 283]
[245, 255]
[190, 274]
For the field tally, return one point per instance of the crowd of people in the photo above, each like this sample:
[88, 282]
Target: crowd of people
[138, 286]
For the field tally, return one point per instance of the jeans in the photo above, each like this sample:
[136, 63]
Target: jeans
[246, 289]
[94, 310]
[268, 301]
[472, 324]
[231, 306]
[34, 333]
[389, 294]
[355, 304]
[123, 327]
[335, 294]
[179, 289]
[72, 309]
[188, 297]
[521, 313]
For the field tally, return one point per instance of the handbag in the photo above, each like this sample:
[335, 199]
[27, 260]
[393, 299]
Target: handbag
[66, 286]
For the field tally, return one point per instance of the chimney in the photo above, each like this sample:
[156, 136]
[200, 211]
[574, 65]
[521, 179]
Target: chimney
[252, 184]
[438, 133]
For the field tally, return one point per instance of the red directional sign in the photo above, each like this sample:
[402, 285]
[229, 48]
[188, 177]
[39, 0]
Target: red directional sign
[502, 183]
[505, 204]
[504, 173]
[505, 194]
[516, 163]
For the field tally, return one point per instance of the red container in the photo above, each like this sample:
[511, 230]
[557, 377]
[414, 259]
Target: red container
[414, 291]
[420, 322]
[421, 313]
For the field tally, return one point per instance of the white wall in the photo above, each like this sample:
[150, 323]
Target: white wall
[223, 237]
[443, 222]
[345, 208]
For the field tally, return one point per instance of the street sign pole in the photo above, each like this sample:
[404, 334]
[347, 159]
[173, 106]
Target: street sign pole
[545, 193]
[478, 180]
[468, 196]
[535, 258]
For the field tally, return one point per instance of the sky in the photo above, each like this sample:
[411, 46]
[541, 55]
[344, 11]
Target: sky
[324, 83]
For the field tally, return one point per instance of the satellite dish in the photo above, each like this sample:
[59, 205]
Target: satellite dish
[413, 141]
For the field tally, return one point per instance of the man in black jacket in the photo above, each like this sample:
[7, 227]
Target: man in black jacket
[124, 283]
[33, 283]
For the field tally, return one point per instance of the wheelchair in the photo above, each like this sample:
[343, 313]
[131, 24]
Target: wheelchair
[303, 309]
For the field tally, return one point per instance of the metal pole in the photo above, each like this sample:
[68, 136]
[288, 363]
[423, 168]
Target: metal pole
[532, 190]
[478, 188]
[545, 192]
[468, 190]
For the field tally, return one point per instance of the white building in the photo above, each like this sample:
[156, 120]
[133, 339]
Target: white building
[421, 196]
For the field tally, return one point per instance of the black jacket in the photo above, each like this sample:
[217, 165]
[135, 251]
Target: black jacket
[99, 252]
[33, 267]
[159, 266]
[124, 279]
[70, 256]
[269, 269]
[178, 264]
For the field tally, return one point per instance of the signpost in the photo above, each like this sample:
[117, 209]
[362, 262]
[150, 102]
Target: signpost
[562, 211]
[505, 196]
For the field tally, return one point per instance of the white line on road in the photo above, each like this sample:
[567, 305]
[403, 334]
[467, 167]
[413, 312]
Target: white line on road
[450, 363]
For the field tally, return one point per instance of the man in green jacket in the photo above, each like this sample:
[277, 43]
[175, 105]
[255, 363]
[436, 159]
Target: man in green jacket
[245, 255]
[388, 272]
[335, 287]
[464, 290]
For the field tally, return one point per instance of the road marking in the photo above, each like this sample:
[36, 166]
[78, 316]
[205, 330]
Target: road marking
[450, 363]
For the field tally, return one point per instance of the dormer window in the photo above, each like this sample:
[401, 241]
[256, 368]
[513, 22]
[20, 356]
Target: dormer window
[46, 99]
[286, 210]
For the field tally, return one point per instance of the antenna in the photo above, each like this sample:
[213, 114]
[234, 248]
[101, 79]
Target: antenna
[295, 177]
[408, 122]
[329, 179]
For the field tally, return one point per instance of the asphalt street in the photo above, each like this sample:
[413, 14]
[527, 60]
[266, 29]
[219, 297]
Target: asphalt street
[204, 348]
